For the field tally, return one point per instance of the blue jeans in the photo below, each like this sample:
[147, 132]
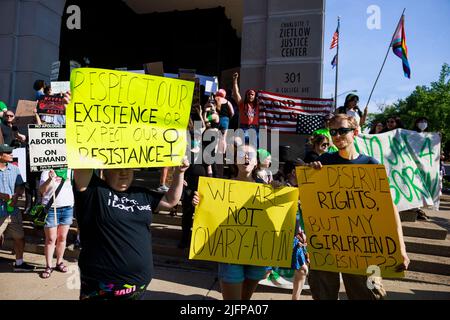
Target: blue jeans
[64, 216]
[245, 128]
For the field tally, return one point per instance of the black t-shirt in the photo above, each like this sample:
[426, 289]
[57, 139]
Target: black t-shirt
[311, 156]
[115, 233]
[335, 158]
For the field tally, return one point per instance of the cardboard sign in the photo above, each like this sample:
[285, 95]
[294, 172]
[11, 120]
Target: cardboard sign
[54, 71]
[59, 87]
[25, 113]
[244, 223]
[51, 105]
[126, 120]
[349, 219]
[47, 147]
[412, 164]
[154, 68]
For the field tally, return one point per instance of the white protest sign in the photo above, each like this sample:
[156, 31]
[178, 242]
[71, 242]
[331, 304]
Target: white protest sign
[412, 165]
[60, 86]
[47, 147]
[20, 160]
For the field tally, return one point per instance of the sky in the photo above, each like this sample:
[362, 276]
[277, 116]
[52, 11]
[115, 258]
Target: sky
[362, 50]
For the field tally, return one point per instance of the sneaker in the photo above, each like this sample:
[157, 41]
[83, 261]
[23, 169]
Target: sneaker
[24, 267]
[162, 188]
[77, 244]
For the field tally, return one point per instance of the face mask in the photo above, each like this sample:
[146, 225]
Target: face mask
[422, 125]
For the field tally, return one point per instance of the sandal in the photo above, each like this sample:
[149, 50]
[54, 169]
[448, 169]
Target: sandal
[47, 272]
[61, 267]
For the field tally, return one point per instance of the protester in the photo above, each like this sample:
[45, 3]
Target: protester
[421, 124]
[376, 128]
[300, 258]
[114, 219]
[320, 144]
[56, 227]
[39, 86]
[238, 282]
[248, 109]
[11, 189]
[324, 284]
[212, 123]
[263, 173]
[351, 108]
[3, 108]
[393, 123]
[196, 170]
[10, 132]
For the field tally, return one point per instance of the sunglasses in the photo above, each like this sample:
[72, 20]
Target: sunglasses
[341, 131]
[242, 154]
[9, 115]
[325, 145]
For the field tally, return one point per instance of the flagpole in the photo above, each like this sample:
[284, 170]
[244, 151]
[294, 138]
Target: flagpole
[385, 58]
[337, 64]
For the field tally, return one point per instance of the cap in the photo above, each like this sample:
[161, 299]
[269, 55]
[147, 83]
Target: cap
[6, 148]
[3, 106]
[221, 93]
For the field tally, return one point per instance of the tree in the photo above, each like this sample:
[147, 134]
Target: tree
[431, 101]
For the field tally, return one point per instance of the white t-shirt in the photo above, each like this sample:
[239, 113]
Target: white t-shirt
[354, 114]
[65, 196]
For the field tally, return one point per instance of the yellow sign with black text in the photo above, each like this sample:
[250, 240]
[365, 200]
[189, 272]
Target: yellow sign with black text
[121, 119]
[244, 223]
[349, 219]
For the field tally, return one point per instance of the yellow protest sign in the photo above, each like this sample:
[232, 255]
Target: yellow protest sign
[120, 119]
[244, 223]
[349, 219]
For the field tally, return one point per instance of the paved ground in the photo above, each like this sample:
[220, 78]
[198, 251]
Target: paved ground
[180, 284]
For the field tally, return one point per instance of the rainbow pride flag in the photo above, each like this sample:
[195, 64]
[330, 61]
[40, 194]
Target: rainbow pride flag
[399, 46]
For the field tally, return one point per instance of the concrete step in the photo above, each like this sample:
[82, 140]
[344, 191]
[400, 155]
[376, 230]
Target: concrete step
[408, 215]
[428, 246]
[165, 231]
[424, 229]
[166, 218]
[429, 264]
[414, 276]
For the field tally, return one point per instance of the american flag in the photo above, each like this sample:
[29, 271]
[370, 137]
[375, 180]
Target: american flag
[307, 124]
[334, 61]
[335, 39]
[279, 112]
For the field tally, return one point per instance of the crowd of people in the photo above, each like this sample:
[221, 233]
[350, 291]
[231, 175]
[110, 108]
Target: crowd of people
[116, 259]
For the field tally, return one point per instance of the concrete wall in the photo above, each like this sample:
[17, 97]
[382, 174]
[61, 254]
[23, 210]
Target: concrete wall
[29, 42]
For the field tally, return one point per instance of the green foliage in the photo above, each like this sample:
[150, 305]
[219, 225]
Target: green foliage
[431, 101]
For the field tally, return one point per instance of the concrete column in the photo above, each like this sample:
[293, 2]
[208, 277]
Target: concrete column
[282, 46]
[29, 42]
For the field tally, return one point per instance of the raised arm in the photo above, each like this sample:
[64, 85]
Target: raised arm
[82, 177]
[236, 94]
[171, 198]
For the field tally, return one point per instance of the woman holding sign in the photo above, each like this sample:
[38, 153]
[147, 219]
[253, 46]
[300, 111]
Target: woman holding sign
[238, 282]
[114, 220]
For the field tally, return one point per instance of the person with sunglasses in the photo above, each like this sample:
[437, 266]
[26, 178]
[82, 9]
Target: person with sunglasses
[239, 282]
[10, 132]
[325, 285]
[320, 145]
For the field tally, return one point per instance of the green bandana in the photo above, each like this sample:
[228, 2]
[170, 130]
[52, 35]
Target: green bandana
[62, 173]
